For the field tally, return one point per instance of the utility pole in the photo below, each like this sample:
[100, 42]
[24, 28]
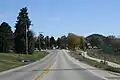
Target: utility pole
[26, 40]
[39, 39]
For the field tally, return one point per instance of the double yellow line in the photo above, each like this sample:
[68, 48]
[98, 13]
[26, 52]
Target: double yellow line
[46, 70]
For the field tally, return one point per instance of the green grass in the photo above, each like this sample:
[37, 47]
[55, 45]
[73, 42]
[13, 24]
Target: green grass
[11, 60]
[113, 57]
[94, 63]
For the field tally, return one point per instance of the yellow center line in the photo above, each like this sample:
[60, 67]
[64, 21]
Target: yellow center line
[46, 70]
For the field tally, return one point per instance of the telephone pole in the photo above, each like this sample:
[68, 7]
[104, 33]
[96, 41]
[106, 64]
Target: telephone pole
[40, 40]
[26, 40]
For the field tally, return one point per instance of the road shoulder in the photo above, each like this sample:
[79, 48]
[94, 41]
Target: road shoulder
[100, 73]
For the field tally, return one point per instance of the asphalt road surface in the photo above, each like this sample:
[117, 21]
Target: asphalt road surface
[56, 66]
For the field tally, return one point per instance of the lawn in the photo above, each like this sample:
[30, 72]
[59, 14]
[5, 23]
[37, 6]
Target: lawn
[113, 57]
[12, 60]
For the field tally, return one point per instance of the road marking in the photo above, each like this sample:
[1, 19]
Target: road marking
[46, 70]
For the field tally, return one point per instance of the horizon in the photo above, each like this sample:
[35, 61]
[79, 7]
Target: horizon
[58, 18]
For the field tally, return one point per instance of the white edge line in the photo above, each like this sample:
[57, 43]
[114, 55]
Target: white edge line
[70, 58]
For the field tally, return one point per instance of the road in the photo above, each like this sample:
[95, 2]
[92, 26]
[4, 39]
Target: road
[56, 66]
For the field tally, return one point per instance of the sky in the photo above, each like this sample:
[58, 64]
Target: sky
[59, 17]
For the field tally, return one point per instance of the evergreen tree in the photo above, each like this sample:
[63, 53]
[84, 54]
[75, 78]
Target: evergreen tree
[52, 42]
[58, 42]
[41, 42]
[6, 37]
[31, 42]
[22, 25]
[47, 42]
[36, 42]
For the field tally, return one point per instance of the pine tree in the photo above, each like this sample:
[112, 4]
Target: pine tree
[58, 42]
[41, 41]
[52, 42]
[47, 42]
[31, 42]
[23, 23]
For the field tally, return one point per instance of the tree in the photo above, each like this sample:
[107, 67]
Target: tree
[58, 42]
[76, 42]
[52, 42]
[83, 43]
[6, 37]
[111, 37]
[41, 41]
[22, 25]
[47, 42]
[73, 41]
[96, 40]
[31, 42]
[63, 42]
[36, 42]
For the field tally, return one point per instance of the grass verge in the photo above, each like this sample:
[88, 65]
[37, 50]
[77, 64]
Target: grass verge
[113, 57]
[11, 60]
[93, 63]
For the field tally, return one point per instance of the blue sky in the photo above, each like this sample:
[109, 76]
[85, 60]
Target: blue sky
[59, 17]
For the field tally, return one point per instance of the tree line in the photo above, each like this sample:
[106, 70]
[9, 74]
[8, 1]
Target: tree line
[101, 42]
[23, 39]
[71, 41]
